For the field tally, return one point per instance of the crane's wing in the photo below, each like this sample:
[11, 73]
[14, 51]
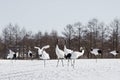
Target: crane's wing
[45, 47]
[36, 47]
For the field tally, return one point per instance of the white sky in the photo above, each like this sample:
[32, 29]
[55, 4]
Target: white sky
[45, 15]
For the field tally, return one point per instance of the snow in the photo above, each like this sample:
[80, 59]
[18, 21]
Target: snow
[85, 69]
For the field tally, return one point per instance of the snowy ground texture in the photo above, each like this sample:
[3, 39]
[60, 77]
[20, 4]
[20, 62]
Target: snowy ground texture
[85, 69]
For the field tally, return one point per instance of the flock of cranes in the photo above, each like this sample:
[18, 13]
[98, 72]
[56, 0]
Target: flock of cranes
[68, 54]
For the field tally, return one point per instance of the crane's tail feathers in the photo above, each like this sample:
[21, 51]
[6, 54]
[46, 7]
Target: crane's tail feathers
[17, 54]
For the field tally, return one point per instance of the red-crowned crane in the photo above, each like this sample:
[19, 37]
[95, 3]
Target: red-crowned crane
[12, 55]
[114, 53]
[43, 54]
[60, 55]
[68, 54]
[76, 54]
[96, 52]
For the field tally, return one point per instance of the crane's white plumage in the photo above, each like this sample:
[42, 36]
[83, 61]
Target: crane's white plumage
[45, 47]
[77, 54]
[114, 52]
[67, 51]
[39, 50]
[10, 55]
[45, 55]
[17, 54]
[60, 53]
[95, 51]
[29, 52]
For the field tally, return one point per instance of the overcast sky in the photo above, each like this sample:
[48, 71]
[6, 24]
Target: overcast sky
[45, 15]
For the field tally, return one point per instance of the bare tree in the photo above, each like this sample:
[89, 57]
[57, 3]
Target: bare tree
[8, 35]
[54, 37]
[94, 27]
[5, 36]
[68, 33]
[102, 35]
[26, 42]
[79, 31]
[93, 33]
[116, 30]
[16, 31]
[38, 37]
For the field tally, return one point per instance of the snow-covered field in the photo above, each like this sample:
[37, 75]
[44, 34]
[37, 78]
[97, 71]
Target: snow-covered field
[85, 69]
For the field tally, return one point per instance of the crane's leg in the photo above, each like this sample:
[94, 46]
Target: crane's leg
[96, 59]
[31, 58]
[57, 63]
[68, 62]
[71, 63]
[44, 63]
[62, 62]
[12, 60]
[74, 62]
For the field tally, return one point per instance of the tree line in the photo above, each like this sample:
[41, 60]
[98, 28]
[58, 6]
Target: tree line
[93, 34]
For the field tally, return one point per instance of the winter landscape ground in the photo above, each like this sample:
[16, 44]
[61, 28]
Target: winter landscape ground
[85, 69]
